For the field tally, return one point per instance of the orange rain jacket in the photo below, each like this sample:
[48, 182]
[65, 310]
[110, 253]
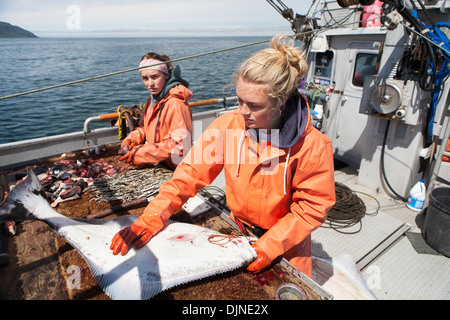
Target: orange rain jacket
[285, 187]
[166, 131]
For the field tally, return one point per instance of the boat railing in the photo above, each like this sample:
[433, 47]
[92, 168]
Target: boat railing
[115, 115]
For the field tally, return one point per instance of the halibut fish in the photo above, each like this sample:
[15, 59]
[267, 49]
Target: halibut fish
[178, 254]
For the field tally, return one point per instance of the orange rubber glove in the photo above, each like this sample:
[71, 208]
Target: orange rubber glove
[126, 146]
[261, 262]
[141, 231]
[127, 157]
[130, 157]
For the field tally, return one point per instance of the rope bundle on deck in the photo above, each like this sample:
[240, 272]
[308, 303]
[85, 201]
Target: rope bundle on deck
[348, 210]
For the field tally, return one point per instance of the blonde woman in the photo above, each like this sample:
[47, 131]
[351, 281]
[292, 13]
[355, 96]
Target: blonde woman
[278, 168]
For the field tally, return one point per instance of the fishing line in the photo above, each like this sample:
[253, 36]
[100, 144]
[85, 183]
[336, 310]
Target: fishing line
[222, 239]
[216, 193]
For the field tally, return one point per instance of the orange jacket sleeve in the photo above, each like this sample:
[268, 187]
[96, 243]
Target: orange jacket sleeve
[167, 134]
[172, 141]
[313, 196]
[192, 174]
[137, 136]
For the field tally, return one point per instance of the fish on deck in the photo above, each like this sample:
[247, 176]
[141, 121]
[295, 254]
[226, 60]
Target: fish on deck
[341, 277]
[180, 253]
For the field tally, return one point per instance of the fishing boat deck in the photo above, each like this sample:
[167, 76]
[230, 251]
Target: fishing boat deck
[40, 260]
[389, 249]
[395, 260]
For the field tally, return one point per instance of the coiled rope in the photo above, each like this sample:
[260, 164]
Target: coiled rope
[348, 210]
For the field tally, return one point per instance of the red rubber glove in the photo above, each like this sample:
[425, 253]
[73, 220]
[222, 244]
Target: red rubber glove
[261, 262]
[141, 231]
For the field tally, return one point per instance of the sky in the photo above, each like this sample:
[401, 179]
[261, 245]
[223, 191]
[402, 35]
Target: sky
[62, 18]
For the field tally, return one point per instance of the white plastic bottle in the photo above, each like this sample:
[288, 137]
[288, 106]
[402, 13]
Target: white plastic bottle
[417, 196]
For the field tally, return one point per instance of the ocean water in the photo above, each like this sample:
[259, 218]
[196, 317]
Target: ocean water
[28, 64]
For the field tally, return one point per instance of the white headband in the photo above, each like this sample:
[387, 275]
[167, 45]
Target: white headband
[149, 62]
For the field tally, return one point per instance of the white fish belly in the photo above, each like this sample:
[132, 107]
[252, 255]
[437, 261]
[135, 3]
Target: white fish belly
[178, 254]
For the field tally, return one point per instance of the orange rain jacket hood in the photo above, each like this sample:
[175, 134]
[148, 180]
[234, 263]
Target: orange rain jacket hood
[284, 186]
[164, 134]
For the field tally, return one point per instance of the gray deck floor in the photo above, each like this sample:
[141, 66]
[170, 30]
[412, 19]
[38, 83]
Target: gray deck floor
[395, 261]
[401, 266]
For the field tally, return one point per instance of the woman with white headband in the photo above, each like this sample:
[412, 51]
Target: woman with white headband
[164, 134]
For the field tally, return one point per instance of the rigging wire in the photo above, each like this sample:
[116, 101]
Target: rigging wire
[130, 70]
[337, 24]
[170, 61]
[427, 79]
[340, 22]
[425, 38]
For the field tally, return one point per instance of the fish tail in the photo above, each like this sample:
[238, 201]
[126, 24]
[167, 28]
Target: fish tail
[21, 202]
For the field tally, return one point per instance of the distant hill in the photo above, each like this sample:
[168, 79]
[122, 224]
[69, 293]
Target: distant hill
[7, 30]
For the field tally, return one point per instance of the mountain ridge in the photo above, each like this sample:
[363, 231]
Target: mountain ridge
[7, 30]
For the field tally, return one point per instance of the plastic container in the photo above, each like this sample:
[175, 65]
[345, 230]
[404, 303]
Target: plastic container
[372, 13]
[417, 196]
[436, 228]
[318, 112]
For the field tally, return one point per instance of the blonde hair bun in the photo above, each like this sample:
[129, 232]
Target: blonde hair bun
[280, 67]
[295, 57]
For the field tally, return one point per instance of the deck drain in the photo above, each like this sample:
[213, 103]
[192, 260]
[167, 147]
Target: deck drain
[289, 291]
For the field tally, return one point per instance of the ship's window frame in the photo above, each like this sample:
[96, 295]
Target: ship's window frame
[362, 69]
[326, 63]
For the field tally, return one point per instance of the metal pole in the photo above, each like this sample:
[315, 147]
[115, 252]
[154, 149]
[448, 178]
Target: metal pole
[438, 162]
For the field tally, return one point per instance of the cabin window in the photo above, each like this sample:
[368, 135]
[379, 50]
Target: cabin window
[364, 65]
[323, 67]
